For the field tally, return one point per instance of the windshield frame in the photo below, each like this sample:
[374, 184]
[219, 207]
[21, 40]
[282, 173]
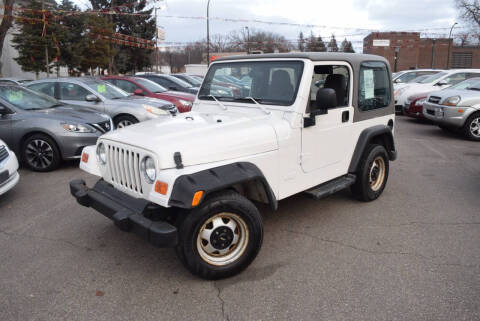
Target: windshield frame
[241, 100]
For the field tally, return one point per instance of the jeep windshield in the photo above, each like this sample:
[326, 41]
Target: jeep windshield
[267, 82]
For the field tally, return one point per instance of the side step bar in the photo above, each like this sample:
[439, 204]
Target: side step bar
[330, 187]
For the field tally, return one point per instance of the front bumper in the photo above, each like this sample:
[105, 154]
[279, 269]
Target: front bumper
[9, 176]
[446, 115]
[72, 144]
[128, 213]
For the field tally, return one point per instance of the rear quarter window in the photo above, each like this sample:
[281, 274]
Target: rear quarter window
[374, 86]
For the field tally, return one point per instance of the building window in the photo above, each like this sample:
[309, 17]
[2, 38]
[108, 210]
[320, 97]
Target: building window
[461, 60]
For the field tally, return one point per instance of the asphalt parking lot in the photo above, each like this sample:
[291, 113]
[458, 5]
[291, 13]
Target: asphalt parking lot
[414, 254]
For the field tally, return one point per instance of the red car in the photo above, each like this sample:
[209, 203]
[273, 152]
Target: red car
[415, 107]
[144, 87]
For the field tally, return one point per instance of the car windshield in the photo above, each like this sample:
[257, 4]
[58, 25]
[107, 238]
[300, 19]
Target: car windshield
[268, 82]
[106, 90]
[470, 84]
[150, 85]
[27, 99]
[179, 82]
[433, 78]
[192, 80]
[419, 79]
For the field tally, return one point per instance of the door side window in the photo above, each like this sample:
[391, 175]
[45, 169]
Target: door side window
[336, 77]
[47, 88]
[455, 78]
[374, 86]
[126, 85]
[69, 91]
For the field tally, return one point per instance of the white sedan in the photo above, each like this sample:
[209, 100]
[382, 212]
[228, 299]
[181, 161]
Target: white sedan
[8, 169]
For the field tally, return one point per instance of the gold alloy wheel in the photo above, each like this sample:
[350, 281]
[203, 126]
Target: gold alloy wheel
[377, 174]
[222, 239]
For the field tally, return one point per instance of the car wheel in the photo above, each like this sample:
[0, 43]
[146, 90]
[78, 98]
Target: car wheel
[40, 153]
[124, 121]
[221, 237]
[372, 175]
[471, 128]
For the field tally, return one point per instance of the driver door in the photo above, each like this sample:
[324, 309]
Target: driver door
[326, 145]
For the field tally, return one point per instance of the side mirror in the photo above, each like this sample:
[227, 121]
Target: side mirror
[326, 99]
[441, 83]
[92, 98]
[4, 110]
[138, 92]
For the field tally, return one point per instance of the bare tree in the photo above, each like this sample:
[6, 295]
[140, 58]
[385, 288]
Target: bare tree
[470, 11]
[6, 23]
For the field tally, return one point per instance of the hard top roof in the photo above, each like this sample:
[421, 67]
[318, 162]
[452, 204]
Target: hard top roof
[314, 56]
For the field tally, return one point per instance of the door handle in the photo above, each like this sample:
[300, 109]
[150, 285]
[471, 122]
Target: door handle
[345, 116]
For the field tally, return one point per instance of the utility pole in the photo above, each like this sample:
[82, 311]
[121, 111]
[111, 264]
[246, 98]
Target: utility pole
[450, 44]
[433, 53]
[208, 33]
[248, 40]
[46, 45]
[156, 41]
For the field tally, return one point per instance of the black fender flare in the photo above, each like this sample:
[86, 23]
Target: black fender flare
[216, 179]
[367, 135]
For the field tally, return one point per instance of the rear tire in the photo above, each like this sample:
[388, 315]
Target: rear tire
[372, 174]
[40, 153]
[124, 121]
[471, 129]
[221, 237]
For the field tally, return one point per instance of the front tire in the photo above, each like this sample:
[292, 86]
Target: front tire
[471, 128]
[124, 121]
[40, 153]
[372, 174]
[221, 237]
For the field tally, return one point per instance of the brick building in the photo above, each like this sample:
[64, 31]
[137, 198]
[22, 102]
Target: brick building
[413, 52]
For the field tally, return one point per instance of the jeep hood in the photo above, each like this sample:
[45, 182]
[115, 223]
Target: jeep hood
[200, 138]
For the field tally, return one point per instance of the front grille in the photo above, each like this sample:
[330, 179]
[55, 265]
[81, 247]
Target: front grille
[431, 112]
[103, 127]
[434, 99]
[124, 167]
[3, 153]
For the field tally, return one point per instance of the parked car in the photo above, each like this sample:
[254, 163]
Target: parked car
[435, 82]
[187, 78]
[171, 83]
[43, 131]
[407, 75]
[125, 109]
[456, 108]
[414, 106]
[144, 87]
[14, 81]
[8, 167]
[189, 182]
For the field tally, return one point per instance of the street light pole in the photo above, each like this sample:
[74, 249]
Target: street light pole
[450, 44]
[208, 33]
[248, 40]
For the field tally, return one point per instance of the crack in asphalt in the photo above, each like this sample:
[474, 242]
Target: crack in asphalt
[36, 237]
[219, 296]
[370, 251]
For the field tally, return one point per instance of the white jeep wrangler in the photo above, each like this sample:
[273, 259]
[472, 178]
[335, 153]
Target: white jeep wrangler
[285, 123]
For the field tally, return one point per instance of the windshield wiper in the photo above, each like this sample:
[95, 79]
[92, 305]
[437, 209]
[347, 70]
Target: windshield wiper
[214, 98]
[266, 111]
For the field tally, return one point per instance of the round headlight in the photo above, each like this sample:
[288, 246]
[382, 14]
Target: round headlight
[148, 168]
[101, 154]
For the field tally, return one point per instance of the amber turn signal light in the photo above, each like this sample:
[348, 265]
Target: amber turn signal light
[197, 197]
[161, 188]
[85, 157]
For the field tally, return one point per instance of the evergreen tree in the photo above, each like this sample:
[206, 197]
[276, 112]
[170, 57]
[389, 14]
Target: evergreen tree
[301, 42]
[332, 45]
[320, 44]
[311, 42]
[141, 26]
[31, 41]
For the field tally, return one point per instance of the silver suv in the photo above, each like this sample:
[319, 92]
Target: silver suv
[457, 107]
[125, 109]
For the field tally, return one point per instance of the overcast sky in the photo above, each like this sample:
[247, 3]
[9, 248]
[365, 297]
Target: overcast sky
[347, 16]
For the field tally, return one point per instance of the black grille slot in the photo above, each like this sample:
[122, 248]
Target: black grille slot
[3, 153]
[434, 99]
